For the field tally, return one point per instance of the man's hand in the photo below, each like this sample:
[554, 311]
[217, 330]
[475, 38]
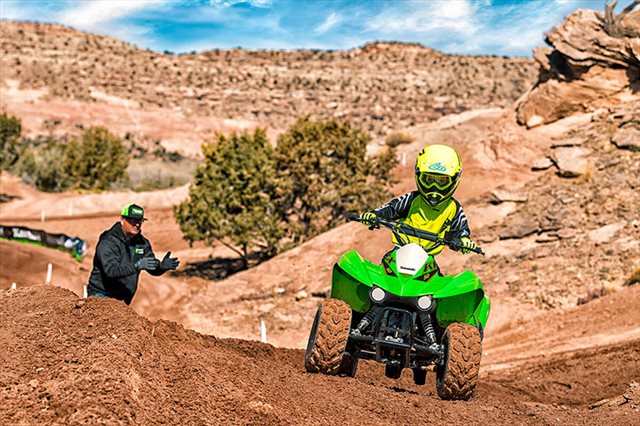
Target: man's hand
[147, 263]
[368, 218]
[467, 245]
[169, 263]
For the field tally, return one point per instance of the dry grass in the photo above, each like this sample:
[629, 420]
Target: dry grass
[398, 138]
[634, 278]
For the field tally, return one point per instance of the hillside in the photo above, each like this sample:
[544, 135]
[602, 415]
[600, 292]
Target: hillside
[380, 86]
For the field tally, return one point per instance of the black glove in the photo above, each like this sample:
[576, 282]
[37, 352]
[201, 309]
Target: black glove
[169, 263]
[148, 263]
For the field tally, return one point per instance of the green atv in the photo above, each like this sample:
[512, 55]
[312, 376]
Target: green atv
[402, 313]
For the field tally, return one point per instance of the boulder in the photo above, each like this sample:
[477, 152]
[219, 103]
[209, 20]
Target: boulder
[501, 195]
[542, 164]
[627, 138]
[571, 162]
[594, 63]
[520, 229]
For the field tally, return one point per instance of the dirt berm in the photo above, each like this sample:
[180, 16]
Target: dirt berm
[70, 361]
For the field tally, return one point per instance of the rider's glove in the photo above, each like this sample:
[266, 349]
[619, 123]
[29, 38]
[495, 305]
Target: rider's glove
[148, 263]
[368, 218]
[169, 263]
[467, 245]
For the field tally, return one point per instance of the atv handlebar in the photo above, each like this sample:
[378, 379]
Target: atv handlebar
[402, 228]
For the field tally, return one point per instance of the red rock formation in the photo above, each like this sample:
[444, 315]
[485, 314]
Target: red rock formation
[594, 62]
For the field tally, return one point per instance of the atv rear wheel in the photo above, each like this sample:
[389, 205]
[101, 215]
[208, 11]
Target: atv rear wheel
[328, 338]
[457, 376]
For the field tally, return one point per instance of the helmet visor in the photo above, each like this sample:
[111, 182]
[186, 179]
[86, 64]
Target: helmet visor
[440, 181]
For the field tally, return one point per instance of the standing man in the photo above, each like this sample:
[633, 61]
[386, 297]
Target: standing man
[122, 252]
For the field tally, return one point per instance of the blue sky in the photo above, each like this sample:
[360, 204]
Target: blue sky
[498, 27]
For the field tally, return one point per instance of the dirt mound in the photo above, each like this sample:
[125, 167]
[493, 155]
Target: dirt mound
[594, 62]
[66, 360]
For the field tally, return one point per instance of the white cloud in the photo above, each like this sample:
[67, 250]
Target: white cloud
[91, 14]
[332, 20]
[254, 3]
[420, 18]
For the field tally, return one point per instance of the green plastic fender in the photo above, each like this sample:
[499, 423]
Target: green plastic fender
[459, 298]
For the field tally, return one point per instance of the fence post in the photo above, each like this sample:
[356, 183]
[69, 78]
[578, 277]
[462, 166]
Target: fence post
[49, 273]
[42, 216]
[263, 332]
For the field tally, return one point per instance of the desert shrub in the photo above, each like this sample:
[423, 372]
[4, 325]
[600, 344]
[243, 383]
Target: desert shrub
[324, 173]
[96, 161]
[47, 170]
[231, 199]
[394, 139]
[10, 147]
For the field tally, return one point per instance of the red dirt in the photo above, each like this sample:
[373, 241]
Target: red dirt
[69, 361]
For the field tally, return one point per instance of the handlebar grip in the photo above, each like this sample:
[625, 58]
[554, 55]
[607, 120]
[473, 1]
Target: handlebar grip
[353, 217]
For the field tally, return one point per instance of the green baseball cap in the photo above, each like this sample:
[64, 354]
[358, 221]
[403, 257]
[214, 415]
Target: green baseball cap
[133, 211]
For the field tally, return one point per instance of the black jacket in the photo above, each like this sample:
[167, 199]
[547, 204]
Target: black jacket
[114, 273]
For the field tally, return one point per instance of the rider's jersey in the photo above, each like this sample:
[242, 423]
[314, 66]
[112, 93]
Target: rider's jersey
[413, 210]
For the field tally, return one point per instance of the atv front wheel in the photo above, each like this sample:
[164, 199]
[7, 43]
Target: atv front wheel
[457, 376]
[328, 338]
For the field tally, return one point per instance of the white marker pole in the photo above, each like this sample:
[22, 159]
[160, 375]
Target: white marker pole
[71, 209]
[263, 332]
[49, 273]
[84, 292]
[404, 159]
[13, 286]
[42, 216]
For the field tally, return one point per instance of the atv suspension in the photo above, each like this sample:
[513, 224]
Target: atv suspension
[427, 326]
[368, 319]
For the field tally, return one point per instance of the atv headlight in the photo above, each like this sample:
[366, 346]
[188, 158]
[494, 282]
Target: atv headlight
[424, 303]
[377, 294]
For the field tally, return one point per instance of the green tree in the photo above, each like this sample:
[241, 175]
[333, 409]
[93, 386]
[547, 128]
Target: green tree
[96, 161]
[231, 198]
[10, 149]
[324, 173]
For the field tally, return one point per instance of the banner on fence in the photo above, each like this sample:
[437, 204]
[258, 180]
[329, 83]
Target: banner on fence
[74, 245]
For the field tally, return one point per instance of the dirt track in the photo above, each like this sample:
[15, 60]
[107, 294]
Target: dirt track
[69, 361]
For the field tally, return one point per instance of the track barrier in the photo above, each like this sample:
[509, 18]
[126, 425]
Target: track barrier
[74, 245]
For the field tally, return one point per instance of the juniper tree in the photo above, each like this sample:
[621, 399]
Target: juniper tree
[231, 197]
[324, 173]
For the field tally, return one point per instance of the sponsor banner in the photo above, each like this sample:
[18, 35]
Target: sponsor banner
[74, 245]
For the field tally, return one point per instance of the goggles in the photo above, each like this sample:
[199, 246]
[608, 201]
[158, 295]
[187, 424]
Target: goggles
[440, 181]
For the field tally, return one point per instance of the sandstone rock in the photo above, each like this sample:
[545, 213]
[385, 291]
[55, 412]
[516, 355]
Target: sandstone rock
[504, 195]
[542, 164]
[627, 138]
[571, 162]
[587, 68]
[520, 229]
[547, 237]
[568, 142]
[604, 234]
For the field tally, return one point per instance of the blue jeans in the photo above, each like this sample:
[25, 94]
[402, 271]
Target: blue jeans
[96, 294]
